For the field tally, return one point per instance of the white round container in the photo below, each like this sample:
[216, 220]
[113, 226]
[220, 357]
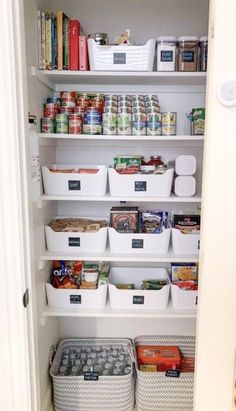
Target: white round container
[91, 277]
[185, 165]
[185, 186]
[166, 52]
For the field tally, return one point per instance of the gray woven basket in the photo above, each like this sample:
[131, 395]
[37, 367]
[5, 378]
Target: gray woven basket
[108, 393]
[155, 391]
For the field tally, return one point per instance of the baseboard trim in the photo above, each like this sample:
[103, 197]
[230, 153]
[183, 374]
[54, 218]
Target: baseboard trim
[47, 404]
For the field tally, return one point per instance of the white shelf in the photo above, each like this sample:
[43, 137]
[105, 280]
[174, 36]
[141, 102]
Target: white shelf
[53, 78]
[108, 256]
[117, 137]
[108, 312]
[107, 198]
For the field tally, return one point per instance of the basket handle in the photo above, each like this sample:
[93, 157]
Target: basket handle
[52, 352]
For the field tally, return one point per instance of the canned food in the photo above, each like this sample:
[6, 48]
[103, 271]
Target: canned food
[47, 125]
[138, 110]
[110, 109]
[68, 96]
[68, 103]
[153, 124]
[110, 97]
[139, 122]
[137, 103]
[97, 102]
[75, 123]
[124, 123]
[62, 122]
[83, 102]
[109, 123]
[66, 110]
[92, 121]
[79, 110]
[125, 103]
[169, 123]
[124, 109]
[50, 110]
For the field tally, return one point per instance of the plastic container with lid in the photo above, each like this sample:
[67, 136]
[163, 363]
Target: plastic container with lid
[166, 52]
[203, 53]
[187, 53]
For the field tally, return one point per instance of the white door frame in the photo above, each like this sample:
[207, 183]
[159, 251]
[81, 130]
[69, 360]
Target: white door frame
[17, 378]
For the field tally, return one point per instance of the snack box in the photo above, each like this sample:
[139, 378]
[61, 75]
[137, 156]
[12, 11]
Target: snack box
[164, 357]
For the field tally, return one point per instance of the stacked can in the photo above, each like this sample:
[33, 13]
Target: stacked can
[131, 114]
[50, 110]
[92, 123]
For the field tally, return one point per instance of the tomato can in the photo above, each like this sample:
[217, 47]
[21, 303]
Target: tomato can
[75, 123]
[68, 96]
[50, 110]
[66, 110]
[62, 122]
[79, 110]
[83, 102]
[92, 121]
[153, 124]
[169, 123]
[47, 125]
[98, 103]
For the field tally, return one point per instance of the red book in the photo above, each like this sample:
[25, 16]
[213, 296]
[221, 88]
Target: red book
[83, 53]
[74, 44]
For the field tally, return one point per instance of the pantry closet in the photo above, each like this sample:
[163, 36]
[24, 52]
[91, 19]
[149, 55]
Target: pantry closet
[177, 92]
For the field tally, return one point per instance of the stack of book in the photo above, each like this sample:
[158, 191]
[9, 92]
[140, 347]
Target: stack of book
[60, 44]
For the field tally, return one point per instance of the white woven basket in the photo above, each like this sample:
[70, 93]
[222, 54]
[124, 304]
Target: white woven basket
[155, 391]
[108, 393]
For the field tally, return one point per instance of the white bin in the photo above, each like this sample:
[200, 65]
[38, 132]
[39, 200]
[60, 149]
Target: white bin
[121, 58]
[75, 184]
[183, 299]
[137, 299]
[76, 298]
[140, 185]
[185, 243]
[76, 241]
[141, 243]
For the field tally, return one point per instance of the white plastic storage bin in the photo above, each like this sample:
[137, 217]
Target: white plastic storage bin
[141, 243]
[185, 186]
[183, 299]
[76, 298]
[155, 391]
[90, 392]
[185, 165]
[76, 241]
[74, 184]
[137, 298]
[121, 58]
[185, 243]
[140, 185]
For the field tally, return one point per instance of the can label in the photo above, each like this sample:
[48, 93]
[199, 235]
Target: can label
[153, 124]
[47, 125]
[62, 121]
[139, 122]
[169, 124]
[124, 124]
[109, 123]
[75, 124]
[50, 110]
[68, 95]
[92, 122]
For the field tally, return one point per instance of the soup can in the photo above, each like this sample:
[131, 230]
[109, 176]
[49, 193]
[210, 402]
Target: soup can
[139, 123]
[68, 97]
[168, 120]
[79, 110]
[153, 124]
[66, 110]
[109, 121]
[92, 121]
[124, 123]
[98, 103]
[47, 125]
[83, 102]
[75, 123]
[62, 123]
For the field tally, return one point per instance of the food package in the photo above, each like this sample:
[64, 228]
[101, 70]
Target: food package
[184, 271]
[77, 225]
[124, 219]
[163, 357]
[187, 223]
[154, 222]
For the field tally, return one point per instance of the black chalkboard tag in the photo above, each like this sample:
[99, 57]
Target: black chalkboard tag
[119, 58]
[140, 186]
[173, 373]
[91, 376]
[75, 299]
[74, 241]
[137, 243]
[74, 185]
[138, 299]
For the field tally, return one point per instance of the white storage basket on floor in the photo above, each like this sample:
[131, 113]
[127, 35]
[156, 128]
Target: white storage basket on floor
[76, 241]
[141, 243]
[183, 299]
[185, 243]
[140, 185]
[108, 393]
[76, 298]
[155, 391]
[137, 299]
[121, 58]
[75, 184]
